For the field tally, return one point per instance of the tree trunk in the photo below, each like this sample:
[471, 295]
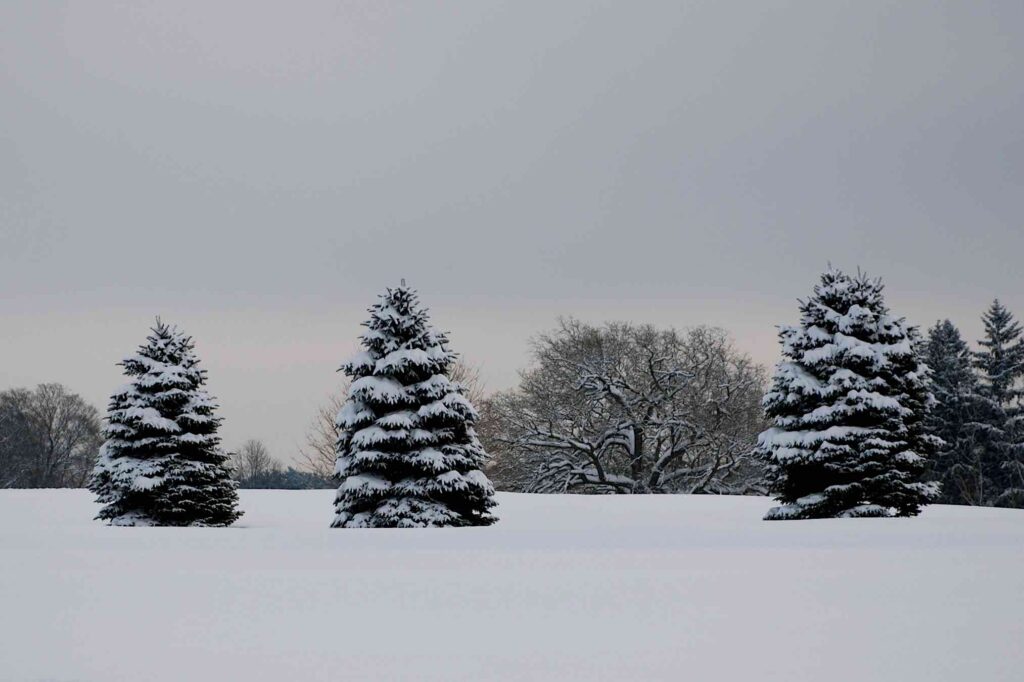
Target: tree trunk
[637, 465]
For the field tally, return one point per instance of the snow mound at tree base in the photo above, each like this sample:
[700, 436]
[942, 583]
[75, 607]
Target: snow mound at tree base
[655, 587]
[815, 507]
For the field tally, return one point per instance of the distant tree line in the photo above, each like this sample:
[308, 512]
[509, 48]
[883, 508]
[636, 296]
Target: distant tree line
[253, 467]
[50, 438]
[626, 408]
[623, 408]
[978, 412]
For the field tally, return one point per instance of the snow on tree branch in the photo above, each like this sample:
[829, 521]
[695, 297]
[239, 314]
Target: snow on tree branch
[631, 409]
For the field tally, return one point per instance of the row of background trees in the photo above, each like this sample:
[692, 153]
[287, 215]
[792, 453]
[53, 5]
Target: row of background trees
[618, 408]
[978, 412]
[625, 408]
[50, 438]
[254, 467]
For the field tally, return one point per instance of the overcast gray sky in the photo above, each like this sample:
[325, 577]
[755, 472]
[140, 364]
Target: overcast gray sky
[258, 172]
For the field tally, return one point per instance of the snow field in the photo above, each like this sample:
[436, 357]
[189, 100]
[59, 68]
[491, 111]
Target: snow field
[562, 588]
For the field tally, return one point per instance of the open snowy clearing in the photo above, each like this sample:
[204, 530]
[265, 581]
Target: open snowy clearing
[563, 588]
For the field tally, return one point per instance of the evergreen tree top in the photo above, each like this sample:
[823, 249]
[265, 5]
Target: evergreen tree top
[947, 346]
[946, 331]
[166, 347]
[1002, 331]
[949, 361]
[845, 302]
[846, 323]
[1001, 359]
[843, 290]
[399, 342]
[164, 373]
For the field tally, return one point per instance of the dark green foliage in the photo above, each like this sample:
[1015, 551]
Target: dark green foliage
[847, 406]
[1001, 366]
[161, 463]
[962, 464]
[407, 452]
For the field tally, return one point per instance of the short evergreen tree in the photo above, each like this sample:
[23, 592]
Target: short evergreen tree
[161, 464]
[961, 464]
[1001, 364]
[407, 453]
[847, 405]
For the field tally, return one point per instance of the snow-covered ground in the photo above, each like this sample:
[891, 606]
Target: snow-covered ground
[563, 588]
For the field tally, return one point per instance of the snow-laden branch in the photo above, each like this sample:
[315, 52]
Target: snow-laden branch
[628, 408]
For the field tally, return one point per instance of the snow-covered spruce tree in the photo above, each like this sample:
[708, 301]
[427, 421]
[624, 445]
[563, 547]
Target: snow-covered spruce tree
[1001, 363]
[161, 464]
[960, 464]
[847, 404]
[408, 456]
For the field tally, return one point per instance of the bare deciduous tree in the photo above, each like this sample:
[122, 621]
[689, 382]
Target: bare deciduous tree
[630, 409]
[318, 454]
[49, 437]
[252, 461]
[468, 376]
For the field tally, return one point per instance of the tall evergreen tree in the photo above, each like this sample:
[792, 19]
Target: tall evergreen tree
[407, 451]
[961, 464]
[847, 405]
[161, 464]
[1001, 360]
[1001, 364]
